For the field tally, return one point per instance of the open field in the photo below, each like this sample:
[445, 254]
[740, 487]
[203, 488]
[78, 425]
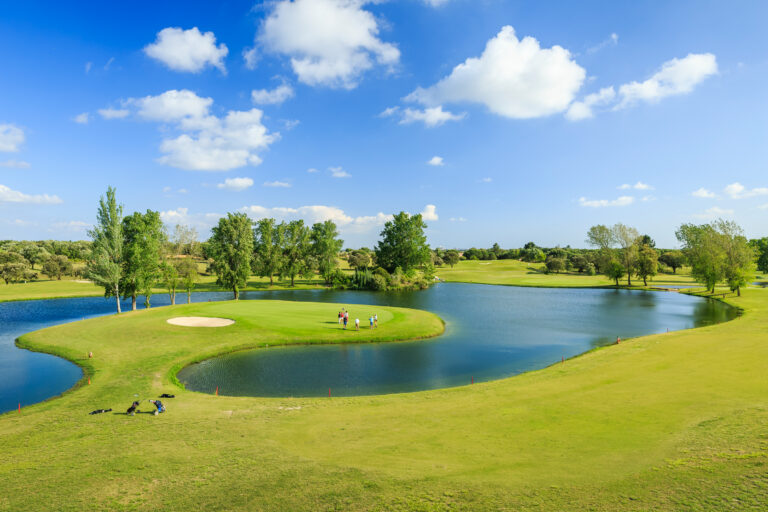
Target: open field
[520, 273]
[665, 422]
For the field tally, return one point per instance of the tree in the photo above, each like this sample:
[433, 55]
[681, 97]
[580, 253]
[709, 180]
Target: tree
[532, 254]
[325, 248]
[647, 261]
[105, 264]
[739, 264]
[451, 257]
[760, 248]
[187, 270]
[184, 240]
[359, 260]
[171, 279]
[673, 259]
[15, 268]
[615, 270]
[704, 251]
[555, 264]
[403, 243]
[144, 238]
[35, 254]
[57, 266]
[626, 237]
[603, 239]
[268, 240]
[231, 247]
[297, 257]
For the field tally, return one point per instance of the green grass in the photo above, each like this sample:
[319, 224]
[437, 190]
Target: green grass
[47, 289]
[667, 422]
[519, 273]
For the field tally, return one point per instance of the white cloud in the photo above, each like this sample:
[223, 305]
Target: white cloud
[512, 78]
[73, 225]
[109, 63]
[88, 66]
[676, 76]
[15, 164]
[611, 40]
[330, 42]
[82, 118]
[319, 213]
[290, 124]
[583, 109]
[429, 213]
[738, 191]
[703, 193]
[200, 221]
[11, 138]
[173, 105]
[187, 50]
[436, 3]
[602, 203]
[274, 97]
[457, 219]
[8, 195]
[277, 184]
[338, 172]
[486, 180]
[250, 57]
[437, 161]
[431, 117]
[763, 206]
[236, 184]
[206, 142]
[713, 213]
[114, 113]
[637, 186]
[312, 170]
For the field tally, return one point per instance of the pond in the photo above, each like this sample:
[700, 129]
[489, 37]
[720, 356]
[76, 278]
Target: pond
[491, 332]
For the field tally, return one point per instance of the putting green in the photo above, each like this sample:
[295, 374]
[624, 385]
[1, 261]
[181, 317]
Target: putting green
[665, 422]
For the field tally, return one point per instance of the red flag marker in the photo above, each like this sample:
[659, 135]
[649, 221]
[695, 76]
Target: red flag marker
[217, 390]
[89, 381]
[329, 392]
[19, 406]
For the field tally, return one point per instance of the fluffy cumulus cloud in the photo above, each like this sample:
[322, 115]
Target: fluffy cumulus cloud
[429, 213]
[602, 203]
[8, 195]
[330, 42]
[436, 161]
[272, 97]
[200, 221]
[187, 50]
[738, 191]
[11, 138]
[703, 193]
[236, 184]
[431, 117]
[514, 78]
[206, 142]
[676, 76]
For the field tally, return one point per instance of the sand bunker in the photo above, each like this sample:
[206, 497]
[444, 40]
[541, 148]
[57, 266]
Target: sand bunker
[200, 321]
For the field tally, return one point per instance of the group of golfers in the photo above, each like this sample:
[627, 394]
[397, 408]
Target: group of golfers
[373, 320]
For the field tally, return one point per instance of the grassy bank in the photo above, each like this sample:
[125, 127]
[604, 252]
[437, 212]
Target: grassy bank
[666, 422]
[519, 273]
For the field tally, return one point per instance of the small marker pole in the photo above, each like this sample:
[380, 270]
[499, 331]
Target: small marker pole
[618, 340]
[217, 390]
[562, 359]
[89, 381]
[473, 379]
[19, 407]
[329, 392]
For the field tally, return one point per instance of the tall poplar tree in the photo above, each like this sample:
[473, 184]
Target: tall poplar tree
[326, 245]
[268, 239]
[105, 263]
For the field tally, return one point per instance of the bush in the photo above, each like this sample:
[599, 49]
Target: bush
[378, 283]
[589, 269]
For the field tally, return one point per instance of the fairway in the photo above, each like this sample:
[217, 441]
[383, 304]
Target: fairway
[661, 422]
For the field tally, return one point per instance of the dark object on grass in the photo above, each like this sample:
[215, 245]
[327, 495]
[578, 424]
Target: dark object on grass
[159, 405]
[132, 409]
[99, 411]
[166, 395]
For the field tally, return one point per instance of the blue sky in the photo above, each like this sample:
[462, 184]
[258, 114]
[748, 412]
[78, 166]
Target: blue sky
[500, 121]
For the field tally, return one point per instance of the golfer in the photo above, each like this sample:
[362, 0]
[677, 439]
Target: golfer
[357, 324]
